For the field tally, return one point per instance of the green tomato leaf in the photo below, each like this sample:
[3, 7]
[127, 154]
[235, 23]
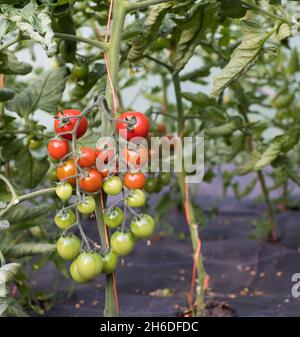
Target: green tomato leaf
[21, 214]
[30, 248]
[244, 56]
[31, 170]
[149, 31]
[7, 272]
[42, 93]
[189, 33]
[231, 9]
[10, 65]
[34, 22]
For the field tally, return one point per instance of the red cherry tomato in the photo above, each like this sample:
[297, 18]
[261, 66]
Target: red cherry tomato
[134, 180]
[67, 169]
[69, 119]
[135, 158]
[87, 158]
[92, 182]
[58, 148]
[139, 125]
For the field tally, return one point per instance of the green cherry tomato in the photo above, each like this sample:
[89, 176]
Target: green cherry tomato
[142, 226]
[122, 243]
[165, 178]
[68, 247]
[136, 198]
[152, 185]
[110, 262]
[64, 191]
[87, 206]
[75, 275]
[114, 217]
[79, 72]
[89, 265]
[112, 186]
[65, 219]
[35, 144]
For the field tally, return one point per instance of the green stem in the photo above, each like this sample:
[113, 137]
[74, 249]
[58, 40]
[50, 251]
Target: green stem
[99, 45]
[193, 225]
[113, 56]
[18, 199]
[266, 13]
[143, 4]
[110, 309]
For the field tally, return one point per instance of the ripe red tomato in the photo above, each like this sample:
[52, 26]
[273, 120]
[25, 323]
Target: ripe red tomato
[87, 158]
[92, 182]
[134, 180]
[69, 119]
[58, 148]
[139, 126]
[67, 169]
[135, 159]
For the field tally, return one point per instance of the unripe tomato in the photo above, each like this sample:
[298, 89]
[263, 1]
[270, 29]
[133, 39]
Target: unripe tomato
[114, 217]
[134, 180]
[67, 169]
[92, 182]
[142, 226]
[58, 148]
[69, 119]
[122, 243]
[68, 247]
[112, 186]
[35, 144]
[165, 178]
[65, 219]
[139, 126]
[161, 128]
[136, 198]
[64, 191]
[79, 72]
[87, 158]
[87, 206]
[110, 262]
[89, 265]
[75, 275]
[152, 185]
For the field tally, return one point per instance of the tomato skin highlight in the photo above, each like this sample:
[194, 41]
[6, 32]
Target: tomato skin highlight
[68, 247]
[88, 157]
[110, 262]
[143, 226]
[112, 186]
[89, 265]
[64, 191]
[134, 180]
[75, 275]
[72, 114]
[65, 220]
[140, 128]
[122, 243]
[58, 148]
[87, 206]
[92, 183]
[113, 218]
[67, 169]
[136, 198]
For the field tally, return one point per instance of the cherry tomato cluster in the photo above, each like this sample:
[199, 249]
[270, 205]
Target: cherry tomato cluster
[77, 170]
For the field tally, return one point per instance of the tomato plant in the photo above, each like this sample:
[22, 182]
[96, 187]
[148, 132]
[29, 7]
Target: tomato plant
[249, 120]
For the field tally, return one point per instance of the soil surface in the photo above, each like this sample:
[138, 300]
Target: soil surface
[253, 278]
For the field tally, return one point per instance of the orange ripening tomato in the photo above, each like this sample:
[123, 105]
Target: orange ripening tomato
[92, 182]
[67, 169]
[135, 158]
[134, 180]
